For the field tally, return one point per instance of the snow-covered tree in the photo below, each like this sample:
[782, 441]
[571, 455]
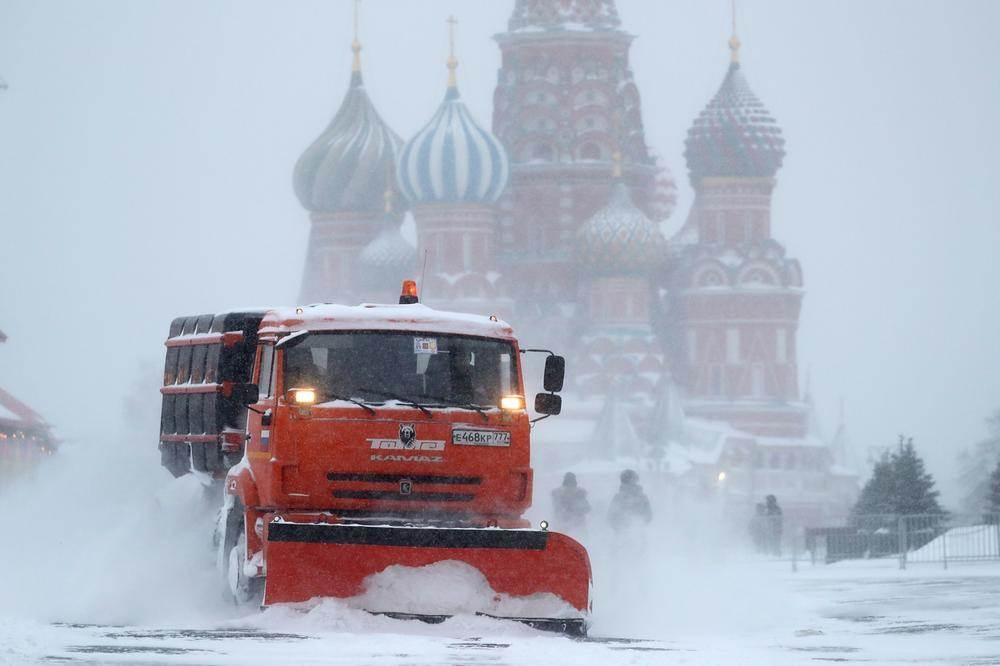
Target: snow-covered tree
[899, 485]
[877, 495]
[975, 464]
[914, 486]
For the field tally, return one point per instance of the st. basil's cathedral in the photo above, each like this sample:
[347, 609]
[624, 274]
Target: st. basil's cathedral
[681, 349]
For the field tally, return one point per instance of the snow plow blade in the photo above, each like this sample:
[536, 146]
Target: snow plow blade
[310, 560]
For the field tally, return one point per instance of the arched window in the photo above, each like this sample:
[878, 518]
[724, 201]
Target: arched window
[710, 277]
[592, 122]
[590, 151]
[542, 151]
[589, 97]
[759, 275]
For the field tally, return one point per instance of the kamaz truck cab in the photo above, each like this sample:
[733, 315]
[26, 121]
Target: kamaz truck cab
[375, 435]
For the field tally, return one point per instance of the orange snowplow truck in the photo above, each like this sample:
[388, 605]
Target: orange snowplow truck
[352, 439]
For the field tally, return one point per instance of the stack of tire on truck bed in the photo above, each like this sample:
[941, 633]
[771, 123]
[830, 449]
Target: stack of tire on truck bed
[201, 424]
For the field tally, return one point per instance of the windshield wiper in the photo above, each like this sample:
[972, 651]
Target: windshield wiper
[458, 403]
[402, 399]
[356, 402]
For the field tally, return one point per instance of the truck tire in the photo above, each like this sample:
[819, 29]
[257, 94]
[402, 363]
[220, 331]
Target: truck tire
[243, 590]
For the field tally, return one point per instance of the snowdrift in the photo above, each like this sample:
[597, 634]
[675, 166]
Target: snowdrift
[958, 543]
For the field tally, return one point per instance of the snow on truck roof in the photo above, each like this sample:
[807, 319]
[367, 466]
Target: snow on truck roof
[374, 317]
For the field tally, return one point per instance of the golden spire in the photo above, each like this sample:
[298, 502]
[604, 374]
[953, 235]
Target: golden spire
[388, 195]
[356, 44]
[452, 60]
[734, 41]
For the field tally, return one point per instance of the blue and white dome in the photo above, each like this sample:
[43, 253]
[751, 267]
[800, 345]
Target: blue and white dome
[452, 159]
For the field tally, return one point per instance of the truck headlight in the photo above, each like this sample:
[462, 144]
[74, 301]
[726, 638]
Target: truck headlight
[512, 402]
[302, 396]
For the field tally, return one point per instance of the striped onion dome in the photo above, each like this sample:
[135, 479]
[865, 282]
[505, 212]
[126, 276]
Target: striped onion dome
[352, 163]
[619, 239]
[452, 159]
[735, 136]
[387, 259]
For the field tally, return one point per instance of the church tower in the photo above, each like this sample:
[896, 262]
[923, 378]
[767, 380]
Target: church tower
[452, 172]
[565, 102]
[622, 248]
[341, 179]
[736, 295]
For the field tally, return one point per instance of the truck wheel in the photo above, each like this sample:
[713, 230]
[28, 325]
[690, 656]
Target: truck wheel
[244, 590]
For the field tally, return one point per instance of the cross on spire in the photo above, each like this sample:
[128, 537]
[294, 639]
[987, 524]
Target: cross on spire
[734, 41]
[356, 44]
[452, 60]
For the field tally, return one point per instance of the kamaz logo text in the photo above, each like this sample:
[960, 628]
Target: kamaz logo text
[378, 457]
[413, 445]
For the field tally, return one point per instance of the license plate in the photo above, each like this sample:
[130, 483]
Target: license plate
[480, 437]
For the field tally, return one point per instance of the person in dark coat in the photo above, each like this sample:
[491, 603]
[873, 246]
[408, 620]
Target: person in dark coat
[630, 506]
[774, 522]
[570, 505]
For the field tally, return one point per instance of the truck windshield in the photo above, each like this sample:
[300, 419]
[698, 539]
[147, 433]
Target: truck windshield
[425, 368]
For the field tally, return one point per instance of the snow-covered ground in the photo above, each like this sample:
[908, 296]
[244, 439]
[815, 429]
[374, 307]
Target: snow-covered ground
[108, 561]
[871, 614]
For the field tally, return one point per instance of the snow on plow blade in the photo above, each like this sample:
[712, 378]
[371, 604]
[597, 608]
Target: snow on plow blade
[309, 560]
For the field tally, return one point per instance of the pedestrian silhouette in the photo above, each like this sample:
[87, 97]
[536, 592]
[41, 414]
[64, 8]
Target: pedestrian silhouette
[630, 506]
[774, 525]
[570, 505]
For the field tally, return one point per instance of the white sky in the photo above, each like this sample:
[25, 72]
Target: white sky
[147, 151]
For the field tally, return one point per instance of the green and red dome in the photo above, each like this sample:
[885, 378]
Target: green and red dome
[735, 135]
[619, 239]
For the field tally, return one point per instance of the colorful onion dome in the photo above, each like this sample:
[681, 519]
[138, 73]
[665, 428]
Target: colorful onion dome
[735, 135]
[387, 259]
[352, 162]
[586, 14]
[619, 239]
[453, 159]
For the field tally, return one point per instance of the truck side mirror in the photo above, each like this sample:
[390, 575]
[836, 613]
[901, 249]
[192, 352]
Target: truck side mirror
[245, 394]
[555, 372]
[549, 404]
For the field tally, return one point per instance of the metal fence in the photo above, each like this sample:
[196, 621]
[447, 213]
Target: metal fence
[930, 538]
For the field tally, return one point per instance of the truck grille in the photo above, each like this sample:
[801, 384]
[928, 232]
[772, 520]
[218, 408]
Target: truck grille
[395, 495]
[396, 478]
[413, 480]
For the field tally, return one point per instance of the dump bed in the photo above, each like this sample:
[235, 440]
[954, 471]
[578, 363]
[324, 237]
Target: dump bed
[206, 355]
